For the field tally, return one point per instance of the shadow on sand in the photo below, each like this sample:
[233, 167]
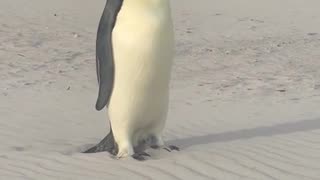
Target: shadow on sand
[285, 128]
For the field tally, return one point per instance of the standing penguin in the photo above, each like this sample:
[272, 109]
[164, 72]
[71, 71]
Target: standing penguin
[134, 53]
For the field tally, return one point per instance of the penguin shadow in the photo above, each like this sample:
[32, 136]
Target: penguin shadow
[244, 134]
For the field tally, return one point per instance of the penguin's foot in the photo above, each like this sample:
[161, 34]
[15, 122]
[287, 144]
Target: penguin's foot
[167, 148]
[172, 148]
[140, 156]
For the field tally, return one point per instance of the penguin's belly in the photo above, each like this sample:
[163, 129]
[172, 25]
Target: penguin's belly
[143, 50]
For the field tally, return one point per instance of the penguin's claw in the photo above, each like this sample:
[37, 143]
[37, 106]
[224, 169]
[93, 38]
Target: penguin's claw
[140, 156]
[155, 147]
[172, 148]
[167, 148]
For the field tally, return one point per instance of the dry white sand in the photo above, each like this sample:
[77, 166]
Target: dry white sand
[245, 92]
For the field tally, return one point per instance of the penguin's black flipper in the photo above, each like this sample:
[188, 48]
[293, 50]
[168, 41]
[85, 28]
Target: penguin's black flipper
[104, 52]
[107, 144]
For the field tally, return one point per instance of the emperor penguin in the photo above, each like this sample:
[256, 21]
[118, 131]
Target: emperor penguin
[134, 56]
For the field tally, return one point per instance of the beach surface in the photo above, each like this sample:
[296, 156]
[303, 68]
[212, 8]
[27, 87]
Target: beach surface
[245, 93]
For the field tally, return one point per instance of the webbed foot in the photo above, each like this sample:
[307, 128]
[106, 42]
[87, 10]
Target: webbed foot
[140, 156]
[167, 148]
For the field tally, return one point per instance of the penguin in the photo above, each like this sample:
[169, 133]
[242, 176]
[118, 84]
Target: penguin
[134, 57]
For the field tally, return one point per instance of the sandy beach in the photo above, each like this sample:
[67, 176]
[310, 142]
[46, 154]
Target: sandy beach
[245, 93]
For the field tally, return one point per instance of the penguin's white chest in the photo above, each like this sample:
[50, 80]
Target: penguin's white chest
[143, 49]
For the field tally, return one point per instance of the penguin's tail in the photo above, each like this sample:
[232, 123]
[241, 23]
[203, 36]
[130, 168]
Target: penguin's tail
[107, 144]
